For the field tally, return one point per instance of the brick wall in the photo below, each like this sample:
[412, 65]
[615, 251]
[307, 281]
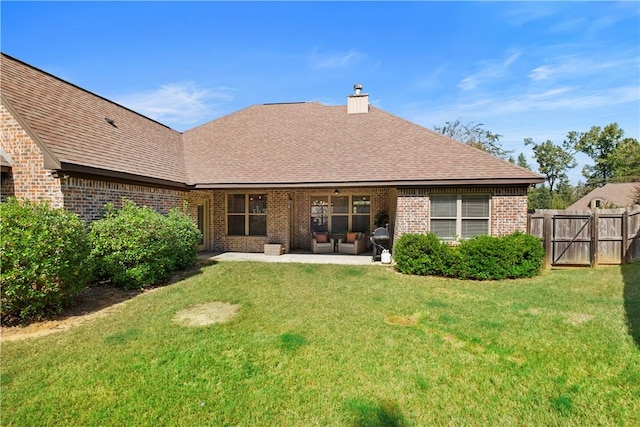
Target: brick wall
[87, 197]
[412, 212]
[508, 209]
[29, 179]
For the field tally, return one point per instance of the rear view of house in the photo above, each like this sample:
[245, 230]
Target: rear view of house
[271, 173]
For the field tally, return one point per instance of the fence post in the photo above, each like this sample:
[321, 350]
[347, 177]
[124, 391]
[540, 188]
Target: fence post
[625, 236]
[547, 239]
[595, 228]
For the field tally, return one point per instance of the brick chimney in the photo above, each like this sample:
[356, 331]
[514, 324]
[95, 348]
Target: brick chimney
[358, 102]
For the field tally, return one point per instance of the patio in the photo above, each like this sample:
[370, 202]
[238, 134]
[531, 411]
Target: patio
[295, 257]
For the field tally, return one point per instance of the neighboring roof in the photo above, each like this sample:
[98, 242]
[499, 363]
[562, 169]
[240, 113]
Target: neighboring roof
[73, 125]
[312, 144]
[297, 144]
[610, 195]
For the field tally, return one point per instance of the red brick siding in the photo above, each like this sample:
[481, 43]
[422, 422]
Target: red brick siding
[29, 178]
[508, 209]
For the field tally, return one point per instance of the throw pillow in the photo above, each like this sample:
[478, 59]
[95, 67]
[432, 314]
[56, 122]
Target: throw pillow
[351, 237]
[321, 238]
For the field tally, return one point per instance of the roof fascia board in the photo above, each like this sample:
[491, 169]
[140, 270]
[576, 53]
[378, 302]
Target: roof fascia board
[90, 172]
[50, 160]
[398, 184]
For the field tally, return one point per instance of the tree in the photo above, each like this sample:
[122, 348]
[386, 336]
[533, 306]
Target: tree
[625, 161]
[614, 156]
[538, 198]
[553, 161]
[522, 162]
[475, 135]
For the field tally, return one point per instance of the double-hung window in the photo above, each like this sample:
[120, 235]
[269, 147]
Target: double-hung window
[247, 214]
[459, 216]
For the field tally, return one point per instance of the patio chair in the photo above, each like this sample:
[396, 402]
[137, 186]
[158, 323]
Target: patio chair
[354, 244]
[321, 243]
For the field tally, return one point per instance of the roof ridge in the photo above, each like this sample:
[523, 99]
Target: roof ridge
[84, 90]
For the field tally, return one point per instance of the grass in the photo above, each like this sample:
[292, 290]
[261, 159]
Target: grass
[344, 346]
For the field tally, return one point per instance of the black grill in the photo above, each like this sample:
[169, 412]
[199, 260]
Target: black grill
[380, 242]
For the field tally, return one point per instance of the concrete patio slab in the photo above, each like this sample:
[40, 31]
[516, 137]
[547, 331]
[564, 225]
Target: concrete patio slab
[308, 258]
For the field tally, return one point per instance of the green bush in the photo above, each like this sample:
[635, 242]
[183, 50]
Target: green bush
[422, 254]
[494, 258]
[481, 258]
[135, 247]
[184, 239]
[43, 260]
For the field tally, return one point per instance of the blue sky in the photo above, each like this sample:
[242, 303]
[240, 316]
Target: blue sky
[523, 69]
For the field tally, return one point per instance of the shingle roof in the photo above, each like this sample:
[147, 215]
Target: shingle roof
[72, 123]
[612, 194]
[309, 143]
[298, 144]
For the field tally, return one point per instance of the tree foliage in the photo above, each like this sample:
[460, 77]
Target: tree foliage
[522, 161]
[616, 158]
[553, 160]
[475, 135]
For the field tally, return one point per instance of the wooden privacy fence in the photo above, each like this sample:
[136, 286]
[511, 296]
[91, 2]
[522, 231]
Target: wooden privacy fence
[605, 236]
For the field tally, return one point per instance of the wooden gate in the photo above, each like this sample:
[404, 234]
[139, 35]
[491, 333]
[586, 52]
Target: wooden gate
[571, 239]
[606, 236]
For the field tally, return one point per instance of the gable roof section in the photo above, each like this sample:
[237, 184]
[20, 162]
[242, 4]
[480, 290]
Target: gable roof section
[276, 145]
[616, 194]
[309, 144]
[73, 126]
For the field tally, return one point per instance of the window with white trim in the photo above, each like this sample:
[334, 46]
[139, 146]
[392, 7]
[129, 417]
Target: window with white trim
[246, 214]
[459, 216]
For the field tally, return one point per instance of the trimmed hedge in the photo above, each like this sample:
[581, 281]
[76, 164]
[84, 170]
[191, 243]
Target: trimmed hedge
[43, 260]
[517, 255]
[421, 254]
[134, 247]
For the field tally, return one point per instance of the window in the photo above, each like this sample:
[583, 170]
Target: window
[319, 213]
[339, 214]
[247, 214]
[459, 216]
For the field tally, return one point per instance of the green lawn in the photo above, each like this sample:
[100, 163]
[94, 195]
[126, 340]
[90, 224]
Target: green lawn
[326, 345]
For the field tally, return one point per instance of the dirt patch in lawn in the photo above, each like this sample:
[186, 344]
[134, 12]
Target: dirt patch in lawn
[402, 320]
[93, 302]
[206, 314]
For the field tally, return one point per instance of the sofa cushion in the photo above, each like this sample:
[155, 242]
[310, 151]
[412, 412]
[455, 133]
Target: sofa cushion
[352, 236]
[322, 238]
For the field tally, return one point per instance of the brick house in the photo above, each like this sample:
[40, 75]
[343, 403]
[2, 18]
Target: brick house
[269, 173]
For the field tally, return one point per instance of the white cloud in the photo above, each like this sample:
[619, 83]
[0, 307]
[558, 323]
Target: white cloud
[335, 59]
[489, 70]
[179, 103]
[573, 65]
[563, 100]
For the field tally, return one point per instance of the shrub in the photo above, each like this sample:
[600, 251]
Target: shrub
[481, 258]
[422, 254]
[134, 247]
[43, 260]
[494, 258]
[184, 239]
